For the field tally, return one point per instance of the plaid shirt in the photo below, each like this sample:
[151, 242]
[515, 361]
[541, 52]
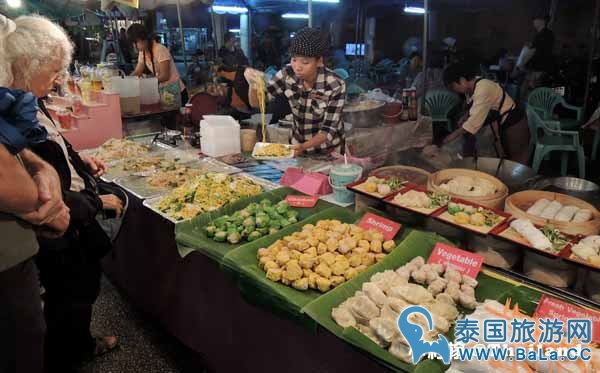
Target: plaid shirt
[315, 110]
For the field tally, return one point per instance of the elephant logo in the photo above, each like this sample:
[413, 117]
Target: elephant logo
[414, 336]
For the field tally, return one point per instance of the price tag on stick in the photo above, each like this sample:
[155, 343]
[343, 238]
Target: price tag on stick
[387, 227]
[467, 263]
[301, 201]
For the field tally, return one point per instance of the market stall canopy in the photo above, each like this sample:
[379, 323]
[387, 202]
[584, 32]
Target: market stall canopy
[147, 4]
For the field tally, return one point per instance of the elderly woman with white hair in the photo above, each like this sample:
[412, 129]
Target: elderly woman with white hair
[35, 55]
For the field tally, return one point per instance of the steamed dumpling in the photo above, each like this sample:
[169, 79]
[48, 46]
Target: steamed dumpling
[343, 316]
[566, 213]
[412, 293]
[364, 308]
[593, 241]
[582, 216]
[469, 186]
[551, 210]
[539, 206]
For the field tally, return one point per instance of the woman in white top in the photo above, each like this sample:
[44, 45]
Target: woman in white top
[494, 125]
[155, 59]
[37, 53]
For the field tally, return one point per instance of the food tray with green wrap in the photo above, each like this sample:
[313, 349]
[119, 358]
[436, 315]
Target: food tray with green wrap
[416, 243]
[243, 264]
[193, 234]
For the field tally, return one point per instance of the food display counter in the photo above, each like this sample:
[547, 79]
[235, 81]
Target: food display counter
[249, 281]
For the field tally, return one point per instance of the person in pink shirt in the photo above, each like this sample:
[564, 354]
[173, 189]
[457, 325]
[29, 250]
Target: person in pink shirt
[155, 59]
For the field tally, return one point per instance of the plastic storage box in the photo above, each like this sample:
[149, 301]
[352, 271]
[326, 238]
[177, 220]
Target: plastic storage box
[219, 135]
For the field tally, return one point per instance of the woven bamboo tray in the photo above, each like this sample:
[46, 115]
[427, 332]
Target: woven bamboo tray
[518, 203]
[495, 201]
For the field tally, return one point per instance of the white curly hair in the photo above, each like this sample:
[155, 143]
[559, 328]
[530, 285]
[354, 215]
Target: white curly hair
[29, 43]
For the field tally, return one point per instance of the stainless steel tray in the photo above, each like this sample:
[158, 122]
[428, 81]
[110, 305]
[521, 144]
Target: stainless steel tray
[138, 185]
[266, 185]
[150, 202]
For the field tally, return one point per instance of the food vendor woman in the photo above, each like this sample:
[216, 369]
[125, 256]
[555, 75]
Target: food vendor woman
[156, 60]
[494, 125]
[316, 94]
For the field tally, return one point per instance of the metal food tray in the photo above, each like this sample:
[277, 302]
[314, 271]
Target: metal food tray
[138, 185]
[150, 202]
[115, 171]
[266, 185]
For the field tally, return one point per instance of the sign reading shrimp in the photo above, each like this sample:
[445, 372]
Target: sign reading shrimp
[465, 262]
[388, 228]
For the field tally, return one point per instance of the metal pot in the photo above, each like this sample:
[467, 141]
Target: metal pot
[371, 117]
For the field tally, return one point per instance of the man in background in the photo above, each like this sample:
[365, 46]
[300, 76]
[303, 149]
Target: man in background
[539, 62]
[124, 45]
[199, 71]
[231, 54]
[409, 71]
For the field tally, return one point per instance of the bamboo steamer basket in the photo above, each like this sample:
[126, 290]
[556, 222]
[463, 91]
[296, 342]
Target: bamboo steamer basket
[495, 201]
[411, 174]
[518, 203]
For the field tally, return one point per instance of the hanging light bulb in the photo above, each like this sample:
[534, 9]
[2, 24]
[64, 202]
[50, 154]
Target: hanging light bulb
[14, 3]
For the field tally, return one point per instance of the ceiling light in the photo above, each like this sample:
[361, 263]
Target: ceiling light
[14, 3]
[414, 10]
[295, 15]
[229, 9]
[234, 30]
[324, 1]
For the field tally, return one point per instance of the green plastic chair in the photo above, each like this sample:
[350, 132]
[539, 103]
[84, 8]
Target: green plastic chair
[554, 139]
[439, 104]
[354, 89]
[342, 73]
[544, 100]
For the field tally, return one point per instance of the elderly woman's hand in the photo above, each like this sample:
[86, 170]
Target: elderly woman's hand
[112, 202]
[95, 166]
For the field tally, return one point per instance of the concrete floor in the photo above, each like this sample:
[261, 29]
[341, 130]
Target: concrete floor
[144, 347]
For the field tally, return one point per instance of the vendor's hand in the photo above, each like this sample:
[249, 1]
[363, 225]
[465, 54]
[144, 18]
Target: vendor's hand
[298, 149]
[253, 76]
[112, 202]
[95, 166]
